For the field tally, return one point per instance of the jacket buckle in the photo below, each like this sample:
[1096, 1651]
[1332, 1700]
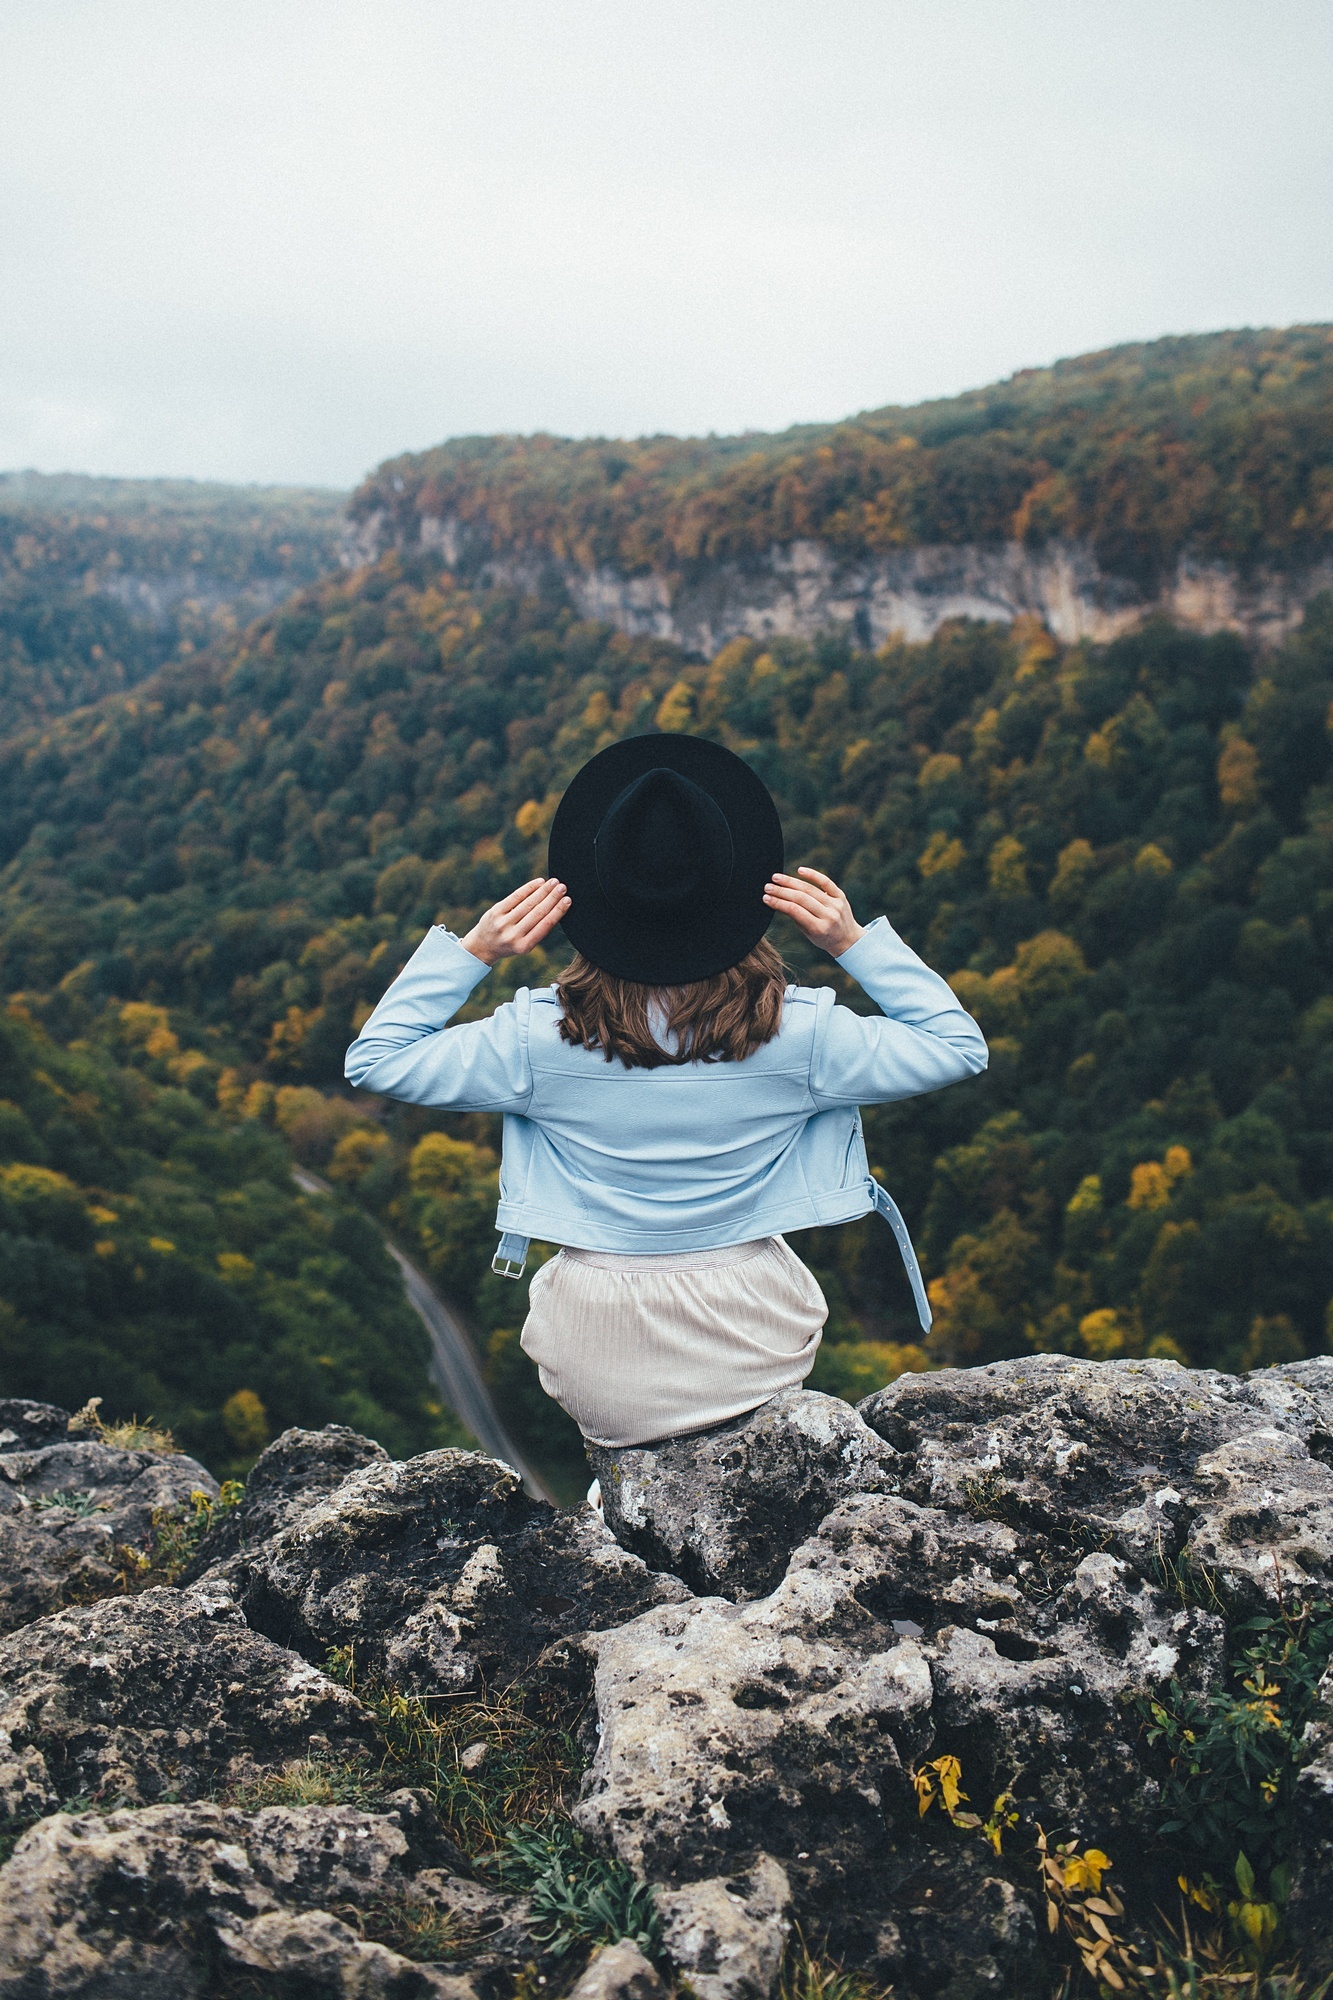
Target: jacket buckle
[511, 1255]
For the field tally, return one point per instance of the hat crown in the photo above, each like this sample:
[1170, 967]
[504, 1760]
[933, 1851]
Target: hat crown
[664, 844]
[664, 848]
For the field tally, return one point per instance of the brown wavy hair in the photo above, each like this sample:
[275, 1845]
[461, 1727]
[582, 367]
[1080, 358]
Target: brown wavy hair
[722, 1019]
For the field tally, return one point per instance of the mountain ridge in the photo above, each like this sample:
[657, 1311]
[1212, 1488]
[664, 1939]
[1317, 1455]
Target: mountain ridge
[1190, 476]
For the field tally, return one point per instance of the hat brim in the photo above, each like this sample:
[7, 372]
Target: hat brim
[710, 939]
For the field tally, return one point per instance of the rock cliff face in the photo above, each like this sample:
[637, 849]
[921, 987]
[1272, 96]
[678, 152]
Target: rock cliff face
[803, 588]
[764, 1664]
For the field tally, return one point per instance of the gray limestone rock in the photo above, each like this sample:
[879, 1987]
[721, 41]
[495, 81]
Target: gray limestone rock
[728, 1935]
[440, 1572]
[996, 1565]
[292, 1475]
[785, 1726]
[177, 1901]
[619, 1972]
[967, 1933]
[166, 1695]
[311, 1952]
[68, 1505]
[1163, 1464]
[790, 1725]
[24, 1426]
[723, 1509]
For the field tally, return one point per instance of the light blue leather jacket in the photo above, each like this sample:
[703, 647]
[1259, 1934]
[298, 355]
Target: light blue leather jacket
[601, 1157]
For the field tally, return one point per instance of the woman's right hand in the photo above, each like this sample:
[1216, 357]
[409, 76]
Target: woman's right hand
[518, 922]
[817, 904]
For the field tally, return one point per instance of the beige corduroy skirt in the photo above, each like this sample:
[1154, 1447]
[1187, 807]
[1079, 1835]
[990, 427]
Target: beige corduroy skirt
[640, 1348]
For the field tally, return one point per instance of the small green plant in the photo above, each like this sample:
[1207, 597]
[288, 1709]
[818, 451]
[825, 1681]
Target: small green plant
[488, 1764]
[66, 1500]
[1193, 1584]
[1233, 1757]
[808, 1975]
[177, 1534]
[1192, 1968]
[576, 1895]
[129, 1435]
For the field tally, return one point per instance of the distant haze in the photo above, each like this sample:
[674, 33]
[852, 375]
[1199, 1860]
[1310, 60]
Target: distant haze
[282, 241]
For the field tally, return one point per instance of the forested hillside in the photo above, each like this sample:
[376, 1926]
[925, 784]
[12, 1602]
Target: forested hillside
[104, 580]
[1217, 444]
[161, 1256]
[1122, 857]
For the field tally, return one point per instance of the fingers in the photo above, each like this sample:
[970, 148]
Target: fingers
[812, 922]
[523, 903]
[816, 888]
[538, 912]
[542, 916]
[823, 908]
[793, 891]
[814, 902]
[538, 928]
[517, 896]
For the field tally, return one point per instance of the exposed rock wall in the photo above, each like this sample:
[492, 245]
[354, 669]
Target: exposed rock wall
[157, 598]
[803, 588]
[992, 1565]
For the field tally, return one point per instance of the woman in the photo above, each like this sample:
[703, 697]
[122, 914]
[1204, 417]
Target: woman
[671, 1105]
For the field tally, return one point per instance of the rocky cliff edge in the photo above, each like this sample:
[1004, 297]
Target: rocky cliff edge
[925, 1690]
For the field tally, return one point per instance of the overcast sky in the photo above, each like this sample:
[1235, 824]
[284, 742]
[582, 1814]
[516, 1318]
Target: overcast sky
[284, 239]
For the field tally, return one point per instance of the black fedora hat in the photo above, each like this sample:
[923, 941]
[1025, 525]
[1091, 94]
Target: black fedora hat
[665, 844]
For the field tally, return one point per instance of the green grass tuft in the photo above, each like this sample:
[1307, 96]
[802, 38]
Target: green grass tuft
[488, 1764]
[313, 1781]
[808, 1975]
[414, 1928]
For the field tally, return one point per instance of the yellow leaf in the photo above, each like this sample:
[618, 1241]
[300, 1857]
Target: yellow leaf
[950, 1779]
[1085, 1871]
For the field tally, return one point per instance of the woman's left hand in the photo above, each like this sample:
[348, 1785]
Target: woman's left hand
[518, 922]
[817, 904]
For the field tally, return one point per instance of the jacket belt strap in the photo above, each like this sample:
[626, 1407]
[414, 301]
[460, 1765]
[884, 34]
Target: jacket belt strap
[511, 1255]
[888, 1208]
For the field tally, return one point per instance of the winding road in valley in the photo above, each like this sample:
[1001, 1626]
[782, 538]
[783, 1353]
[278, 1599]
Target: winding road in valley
[454, 1368]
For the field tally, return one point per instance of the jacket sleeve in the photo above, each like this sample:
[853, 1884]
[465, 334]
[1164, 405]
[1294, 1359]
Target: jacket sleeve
[921, 1039]
[405, 1049]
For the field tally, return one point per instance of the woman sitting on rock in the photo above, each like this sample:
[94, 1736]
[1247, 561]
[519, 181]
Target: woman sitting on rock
[671, 1105]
